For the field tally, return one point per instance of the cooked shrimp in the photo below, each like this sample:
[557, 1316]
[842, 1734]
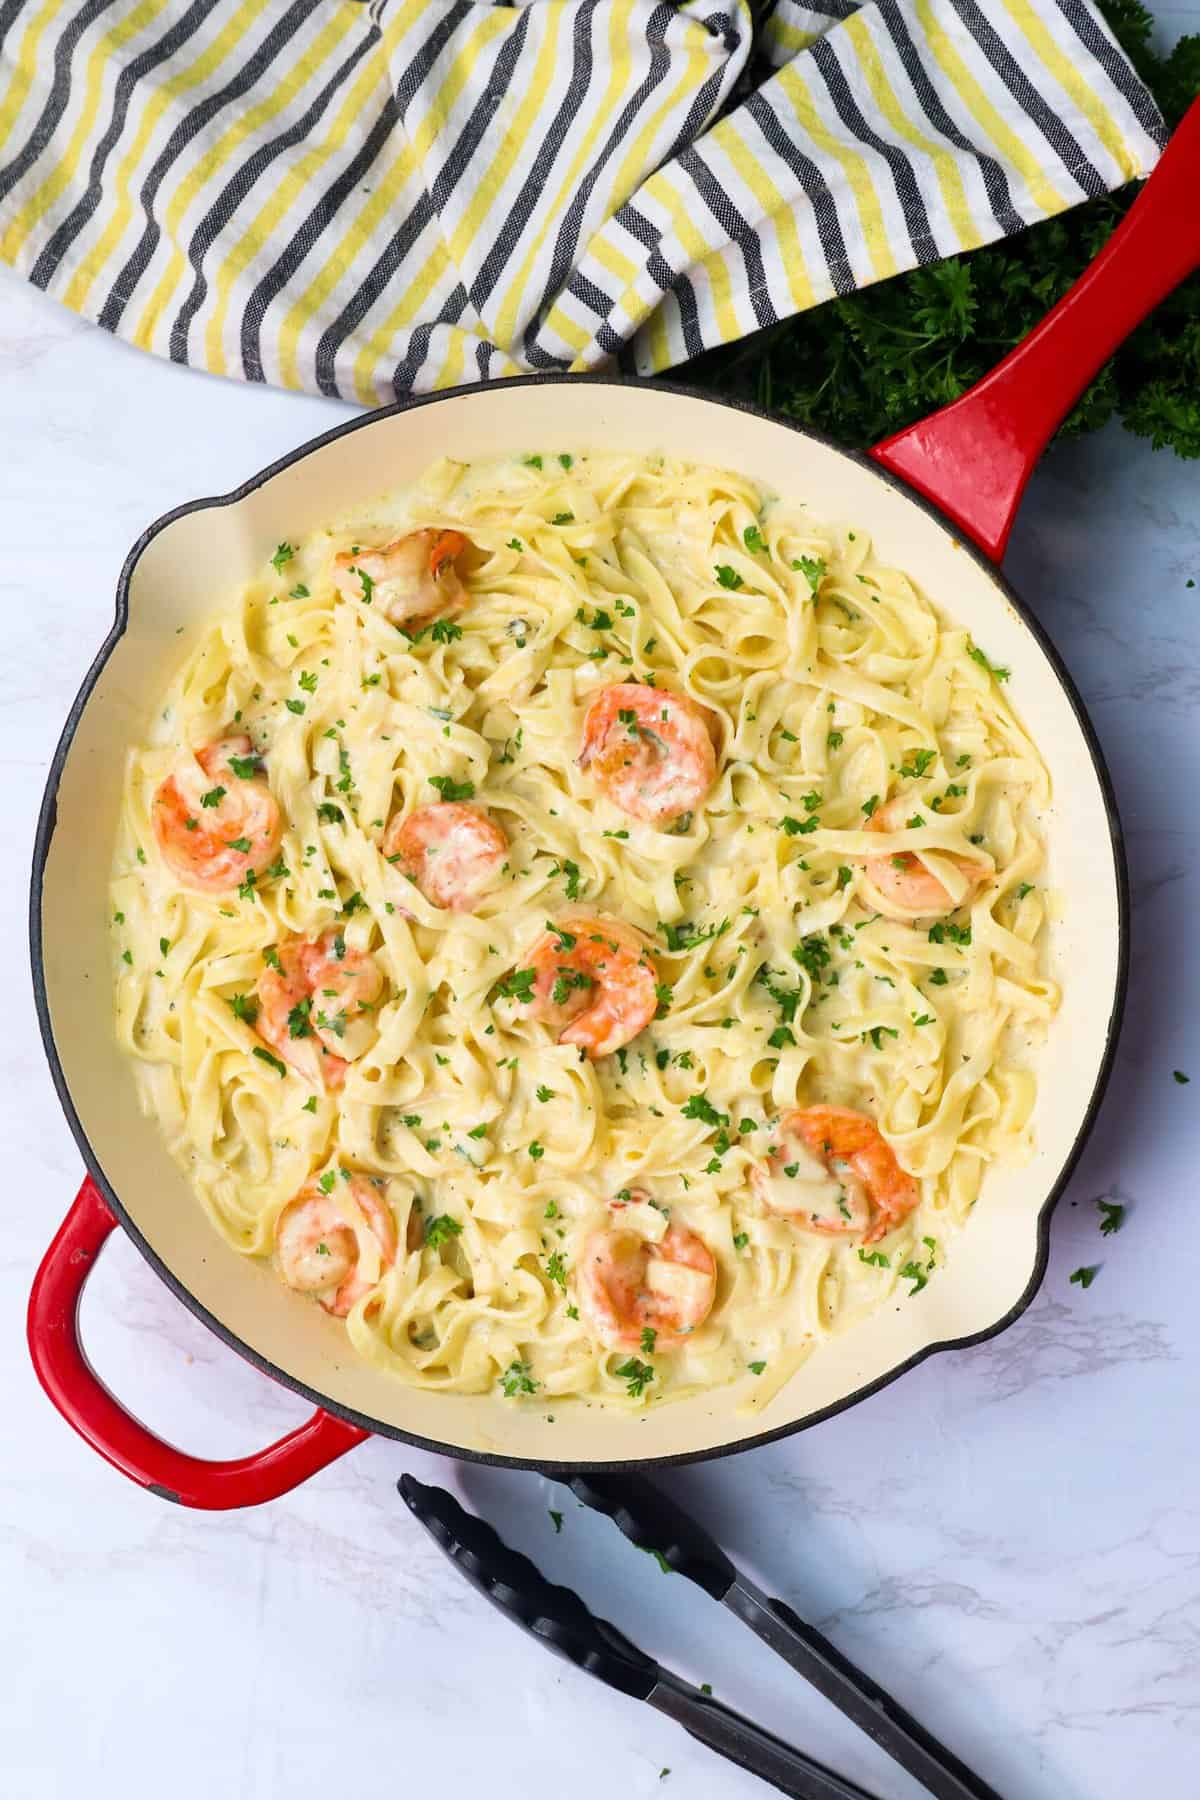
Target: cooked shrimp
[594, 977]
[215, 826]
[320, 1243]
[830, 1169]
[626, 1286]
[648, 750]
[905, 887]
[413, 579]
[311, 1008]
[452, 852]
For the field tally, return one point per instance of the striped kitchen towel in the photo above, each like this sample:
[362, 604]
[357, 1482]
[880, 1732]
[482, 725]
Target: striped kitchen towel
[367, 200]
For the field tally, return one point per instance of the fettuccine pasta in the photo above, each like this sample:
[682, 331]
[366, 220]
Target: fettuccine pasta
[582, 918]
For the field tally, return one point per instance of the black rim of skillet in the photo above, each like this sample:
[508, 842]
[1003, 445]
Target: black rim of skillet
[47, 819]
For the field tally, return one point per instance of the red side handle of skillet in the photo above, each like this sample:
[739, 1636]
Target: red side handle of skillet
[101, 1421]
[974, 457]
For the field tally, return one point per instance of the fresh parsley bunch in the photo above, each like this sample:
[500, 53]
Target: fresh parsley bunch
[861, 367]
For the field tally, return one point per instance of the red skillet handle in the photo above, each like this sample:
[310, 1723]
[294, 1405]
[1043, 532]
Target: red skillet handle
[973, 458]
[88, 1406]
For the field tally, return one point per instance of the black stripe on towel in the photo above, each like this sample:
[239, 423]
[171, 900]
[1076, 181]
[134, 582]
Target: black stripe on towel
[238, 190]
[65, 234]
[57, 100]
[816, 188]
[567, 242]
[995, 181]
[736, 228]
[1031, 102]
[508, 236]
[189, 128]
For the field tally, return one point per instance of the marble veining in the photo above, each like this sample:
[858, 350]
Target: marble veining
[1007, 1537]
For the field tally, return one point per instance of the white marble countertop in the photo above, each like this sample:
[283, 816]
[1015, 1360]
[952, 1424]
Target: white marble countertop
[1006, 1538]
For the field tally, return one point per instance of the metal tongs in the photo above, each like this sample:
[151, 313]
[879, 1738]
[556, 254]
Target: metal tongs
[562, 1622]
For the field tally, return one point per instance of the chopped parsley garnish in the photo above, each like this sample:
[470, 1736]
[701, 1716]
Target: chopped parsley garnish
[740, 1239]
[537, 1151]
[1180, 1077]
[917, 764]
[441, 1230]
[244, 1007]
[565, 983]
[1026, 887]
[283, 554]
[977, 656]
[544, 1093]
[1084, 1277]
[637, 1374]
[756, 1368]
[754, 541]
[699, 1106]
[813, 954]
[944, 932]
[556, 1268]
[214, 796]
[517, 986]
[450, 789]
[813, 570]
[295, 706]
[516, 1380]
[265, 1056]
[245, 767]
[1112, 1217]
[515, 544]
[329, 814]
[687, 936]
[445, 631]
[727, 577]
[299, 592]
[912, 1271]
[310, 1105]
[799, 827]
[298, 1019]
[876, 1259]
[870, 805]
[556, 1520]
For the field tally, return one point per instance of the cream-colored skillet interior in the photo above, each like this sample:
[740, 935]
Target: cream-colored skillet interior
[991, 1265]
[548, 1216]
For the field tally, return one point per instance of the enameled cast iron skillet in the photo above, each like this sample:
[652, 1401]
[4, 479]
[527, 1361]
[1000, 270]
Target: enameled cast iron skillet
[922, 496]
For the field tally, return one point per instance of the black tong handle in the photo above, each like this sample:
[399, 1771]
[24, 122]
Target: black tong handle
[560, 1620]
[518, 1588]
[654, 1522]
